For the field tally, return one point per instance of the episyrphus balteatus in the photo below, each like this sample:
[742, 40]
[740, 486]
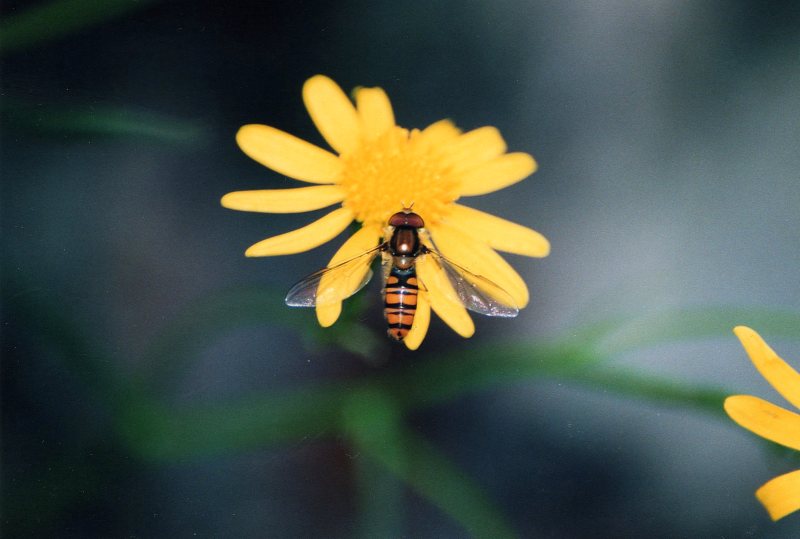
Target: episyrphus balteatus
[405, 241]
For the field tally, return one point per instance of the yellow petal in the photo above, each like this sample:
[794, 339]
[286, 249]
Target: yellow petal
[288, 155]
[305, 238]
[375, 111]
[481, 260]
[476, 146]
[781, 496]
[422, 320]
[496, 174]
[328, 314]
[284, 200]
[498, 233]
[443, 299]
[363, 240]
[783, 378]
[437, 134]
[332, 113]
[765, 419]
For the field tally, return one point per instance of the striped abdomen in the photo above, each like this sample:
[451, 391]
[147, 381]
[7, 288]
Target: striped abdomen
[400, 301]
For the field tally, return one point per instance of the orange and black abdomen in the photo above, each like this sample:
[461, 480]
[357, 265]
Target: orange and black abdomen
[400, 301]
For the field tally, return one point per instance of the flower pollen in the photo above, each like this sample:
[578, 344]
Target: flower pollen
[392, 171]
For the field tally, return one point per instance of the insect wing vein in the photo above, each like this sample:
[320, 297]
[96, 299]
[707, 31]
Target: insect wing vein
[335, 283]
[476, 293]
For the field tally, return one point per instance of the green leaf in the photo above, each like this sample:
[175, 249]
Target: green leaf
[206, 320]
[53, 20]
[650, 388]
[157, 432]
[106, 121]
[684, 324]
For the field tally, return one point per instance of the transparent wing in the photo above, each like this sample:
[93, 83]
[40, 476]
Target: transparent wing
[333, 284]
[476, 293]
[386, 268]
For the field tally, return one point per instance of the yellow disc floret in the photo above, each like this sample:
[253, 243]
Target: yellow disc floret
[393, 171]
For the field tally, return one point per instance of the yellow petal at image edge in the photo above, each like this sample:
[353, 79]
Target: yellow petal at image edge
[481, 260]
[777, 372]
[781, 496]
[375, 111]
[363, 240]
[295, 200]
[765, 419]
[496, 174]
[498, 233]
[443, 299]
[305, 238]
[332, 113]
[422, 320]
[288, 155]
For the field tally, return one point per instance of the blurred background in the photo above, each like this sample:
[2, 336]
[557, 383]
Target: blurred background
[154, 385]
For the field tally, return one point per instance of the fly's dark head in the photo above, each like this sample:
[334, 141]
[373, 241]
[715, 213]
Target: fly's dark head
[407, 219]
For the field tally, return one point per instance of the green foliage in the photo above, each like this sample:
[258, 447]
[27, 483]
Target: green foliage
[90, 120]
[53, 20]
[369, 413]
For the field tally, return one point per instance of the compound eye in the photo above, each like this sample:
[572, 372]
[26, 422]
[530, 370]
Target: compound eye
[414, 220]
[398, 219]
[406, 218]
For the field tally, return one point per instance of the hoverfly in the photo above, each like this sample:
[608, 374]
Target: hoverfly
[405, 241]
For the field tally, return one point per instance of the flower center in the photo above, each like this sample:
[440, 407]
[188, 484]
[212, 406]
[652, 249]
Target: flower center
[394, 171]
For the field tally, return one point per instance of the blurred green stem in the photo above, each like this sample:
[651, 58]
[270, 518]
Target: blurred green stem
[380, 498]
[374, 424]
[372, 419]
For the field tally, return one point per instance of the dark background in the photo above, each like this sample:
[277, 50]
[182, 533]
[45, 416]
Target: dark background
[667, 135]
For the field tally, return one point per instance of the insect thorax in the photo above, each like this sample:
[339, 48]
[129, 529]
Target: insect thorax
[404, 242]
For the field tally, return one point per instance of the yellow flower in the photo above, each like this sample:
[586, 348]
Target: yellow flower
[781, 495]
[380, 169]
